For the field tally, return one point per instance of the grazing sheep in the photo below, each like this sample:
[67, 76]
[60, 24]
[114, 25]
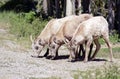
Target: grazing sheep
[66, 31]
[50, 29]
[90, 31]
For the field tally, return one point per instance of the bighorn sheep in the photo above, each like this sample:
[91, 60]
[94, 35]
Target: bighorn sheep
[66, 31]
[89, 31]
[50, 29]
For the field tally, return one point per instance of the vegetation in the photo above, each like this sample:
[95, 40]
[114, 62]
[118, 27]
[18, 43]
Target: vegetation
[114, 38]
[107, 72]
[23, 24]
[30, 16]
[104, 52]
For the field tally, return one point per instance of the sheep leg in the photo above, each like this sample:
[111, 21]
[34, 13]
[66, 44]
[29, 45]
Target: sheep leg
[97, 48]
[109, 47]
[83, 51]
[72, 56]
[56, 53]
[90, 52]
[86, 50]
[76, 52]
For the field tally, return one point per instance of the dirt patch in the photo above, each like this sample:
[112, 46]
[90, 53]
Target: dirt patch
[18, 64]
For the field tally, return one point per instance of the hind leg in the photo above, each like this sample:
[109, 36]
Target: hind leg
[106, 38]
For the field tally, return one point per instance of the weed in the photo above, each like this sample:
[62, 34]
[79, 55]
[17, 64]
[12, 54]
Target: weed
[108, 72]
[104, 52]
[23, 24]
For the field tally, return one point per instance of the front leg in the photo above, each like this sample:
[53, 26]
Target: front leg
[86, 49]
[81, 50]
[90, 51]
[72, 56]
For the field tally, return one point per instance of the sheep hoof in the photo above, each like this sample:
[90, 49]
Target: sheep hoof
[71, 60]
[85, 61]
[36, 56]
[112, 61]
[92, 59]
[53, 58]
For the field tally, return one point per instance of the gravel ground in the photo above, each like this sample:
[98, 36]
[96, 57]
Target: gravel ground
[18, 64]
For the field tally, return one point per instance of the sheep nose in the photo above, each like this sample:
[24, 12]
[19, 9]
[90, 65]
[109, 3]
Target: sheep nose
[36, 47]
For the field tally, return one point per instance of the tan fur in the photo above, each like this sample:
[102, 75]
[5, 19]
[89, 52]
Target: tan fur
[66, 30]
[46, 31]
[50, 29]
[91, 30]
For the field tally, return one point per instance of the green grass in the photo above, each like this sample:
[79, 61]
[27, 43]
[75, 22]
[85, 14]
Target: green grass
[104, 52]
[111, 71]
[22, 25]
[114, 38]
